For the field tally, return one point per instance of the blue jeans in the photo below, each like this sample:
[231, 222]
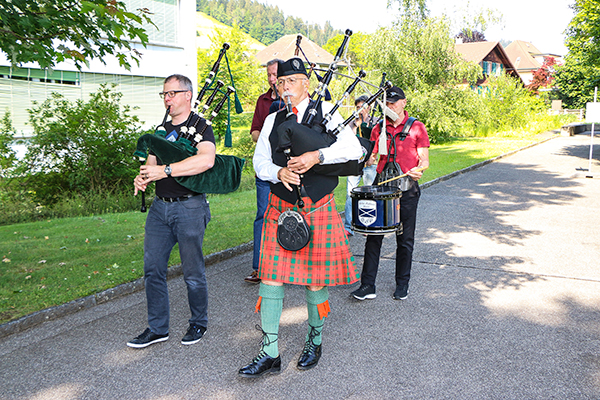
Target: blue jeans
[182, 222]
[368, 177]
[262, 201]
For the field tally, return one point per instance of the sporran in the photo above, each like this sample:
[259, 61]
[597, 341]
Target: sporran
[293, 232]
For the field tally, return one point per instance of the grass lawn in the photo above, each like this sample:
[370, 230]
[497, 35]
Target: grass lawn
[56, 261]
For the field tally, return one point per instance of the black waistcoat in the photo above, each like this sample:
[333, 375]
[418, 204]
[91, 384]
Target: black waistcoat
[317, 186]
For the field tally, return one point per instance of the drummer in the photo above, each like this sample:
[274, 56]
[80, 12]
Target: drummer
[412, 155]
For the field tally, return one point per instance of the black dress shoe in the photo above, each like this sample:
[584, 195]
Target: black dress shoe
[262, 364]
[310, 356]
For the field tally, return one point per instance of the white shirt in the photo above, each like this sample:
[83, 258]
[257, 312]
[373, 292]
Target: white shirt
[346, 147]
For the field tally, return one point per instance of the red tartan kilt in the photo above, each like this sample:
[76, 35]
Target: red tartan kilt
[325, 261]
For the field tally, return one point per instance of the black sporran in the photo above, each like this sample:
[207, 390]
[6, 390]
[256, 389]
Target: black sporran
[293, 232]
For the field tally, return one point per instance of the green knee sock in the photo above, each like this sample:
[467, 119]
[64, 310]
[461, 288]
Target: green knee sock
[270, 313]
[315, 322]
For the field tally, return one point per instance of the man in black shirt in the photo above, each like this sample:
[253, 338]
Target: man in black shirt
[177, 215]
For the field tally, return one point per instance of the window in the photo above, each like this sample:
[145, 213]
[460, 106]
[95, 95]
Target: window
[165, 15]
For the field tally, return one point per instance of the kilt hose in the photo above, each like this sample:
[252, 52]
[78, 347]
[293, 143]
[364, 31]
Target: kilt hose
[325, 261]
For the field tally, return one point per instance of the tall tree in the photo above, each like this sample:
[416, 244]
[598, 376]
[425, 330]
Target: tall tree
[51, 31]
[579, 75]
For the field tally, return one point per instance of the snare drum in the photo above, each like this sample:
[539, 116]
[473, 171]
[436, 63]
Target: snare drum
[375, 209]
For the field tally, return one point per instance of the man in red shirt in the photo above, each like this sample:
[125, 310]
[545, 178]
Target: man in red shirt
[412, 155]
[261, 111]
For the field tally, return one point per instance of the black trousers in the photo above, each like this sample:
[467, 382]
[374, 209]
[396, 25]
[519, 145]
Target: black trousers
[404, 242]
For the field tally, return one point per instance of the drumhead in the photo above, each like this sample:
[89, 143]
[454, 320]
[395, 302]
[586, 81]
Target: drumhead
[381, 192]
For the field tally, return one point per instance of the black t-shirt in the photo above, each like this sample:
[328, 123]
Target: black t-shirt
[168, 187]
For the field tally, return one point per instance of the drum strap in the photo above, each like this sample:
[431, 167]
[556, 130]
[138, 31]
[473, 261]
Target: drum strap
[392, 169]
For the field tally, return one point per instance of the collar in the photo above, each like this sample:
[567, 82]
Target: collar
[302, 107]
[391, 123]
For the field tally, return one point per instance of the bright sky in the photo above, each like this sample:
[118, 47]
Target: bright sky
[541, 24]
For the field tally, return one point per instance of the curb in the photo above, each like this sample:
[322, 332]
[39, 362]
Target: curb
[62, 310]
[48, 314]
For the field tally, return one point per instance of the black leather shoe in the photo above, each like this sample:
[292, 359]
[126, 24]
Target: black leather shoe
[262, 364]
[310, 356]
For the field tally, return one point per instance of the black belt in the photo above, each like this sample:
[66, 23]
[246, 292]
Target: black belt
[174, 199]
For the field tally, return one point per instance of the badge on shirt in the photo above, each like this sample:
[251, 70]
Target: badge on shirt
[171, 137]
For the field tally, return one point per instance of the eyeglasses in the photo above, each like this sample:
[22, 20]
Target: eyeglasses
[291, 81]
[171, 93]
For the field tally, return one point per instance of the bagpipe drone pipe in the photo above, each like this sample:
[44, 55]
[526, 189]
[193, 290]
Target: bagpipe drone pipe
[226, 173]
[311, 134]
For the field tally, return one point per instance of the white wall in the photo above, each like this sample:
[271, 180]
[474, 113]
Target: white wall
[140, 85]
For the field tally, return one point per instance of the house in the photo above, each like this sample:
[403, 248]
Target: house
[285, 48]
[171, 49]
[491, 56]
[527, 58]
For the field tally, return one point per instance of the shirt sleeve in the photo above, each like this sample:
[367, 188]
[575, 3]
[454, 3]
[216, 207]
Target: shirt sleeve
[256, 119]
[422, 136]
[346, 147]
[263, 164]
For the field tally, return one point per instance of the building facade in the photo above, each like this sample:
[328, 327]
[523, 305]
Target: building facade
[171, 49]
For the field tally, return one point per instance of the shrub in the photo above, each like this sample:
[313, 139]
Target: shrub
[80, 147]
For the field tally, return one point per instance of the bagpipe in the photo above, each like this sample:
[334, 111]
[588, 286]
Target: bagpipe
[225, 175]
[312, 134]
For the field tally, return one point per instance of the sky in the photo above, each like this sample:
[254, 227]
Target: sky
[542, 25]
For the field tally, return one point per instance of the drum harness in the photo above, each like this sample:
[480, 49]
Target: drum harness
[391, 168]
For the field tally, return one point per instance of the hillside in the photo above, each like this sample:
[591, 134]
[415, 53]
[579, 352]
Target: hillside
[206, 25]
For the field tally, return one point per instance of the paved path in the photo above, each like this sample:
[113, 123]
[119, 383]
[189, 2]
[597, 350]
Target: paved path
[504, 303]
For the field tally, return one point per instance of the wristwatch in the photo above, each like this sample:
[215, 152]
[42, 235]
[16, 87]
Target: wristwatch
[168, 170]
[321, 157]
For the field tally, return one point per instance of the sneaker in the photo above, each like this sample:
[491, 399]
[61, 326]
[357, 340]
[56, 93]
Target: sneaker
[193, 334]
[146, 339]
[401, 292]
[364, 292]
[253, 277]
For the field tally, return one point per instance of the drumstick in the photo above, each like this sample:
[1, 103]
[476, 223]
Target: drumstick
[401, 176]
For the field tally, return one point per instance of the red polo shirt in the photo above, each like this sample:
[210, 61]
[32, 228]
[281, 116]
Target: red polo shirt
[406, 150]
[261, 111]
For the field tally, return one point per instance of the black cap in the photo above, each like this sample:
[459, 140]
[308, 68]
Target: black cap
[361, 99]
[291, 67]
[394, 94]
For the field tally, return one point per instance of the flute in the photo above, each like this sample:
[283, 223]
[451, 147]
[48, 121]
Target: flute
[288, 150]
[356, 113]
[211, 75]
[312, 113]
[161, 127]
[349, 90]
[197, 138]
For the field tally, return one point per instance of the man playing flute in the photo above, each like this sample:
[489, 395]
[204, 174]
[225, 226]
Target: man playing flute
[326, 259]
[177, 215]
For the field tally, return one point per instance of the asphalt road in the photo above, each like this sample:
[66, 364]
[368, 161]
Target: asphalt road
[504, 303]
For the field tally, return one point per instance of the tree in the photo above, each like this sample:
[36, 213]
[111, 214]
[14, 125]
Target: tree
[80, 147]
[418, 56]
[469, 36]
[7, 154]
[544, 76]
[249, 81]
[356, 47]
[51, 31]
[580, 74]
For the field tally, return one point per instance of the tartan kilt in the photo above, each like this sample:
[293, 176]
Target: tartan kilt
[326, 259]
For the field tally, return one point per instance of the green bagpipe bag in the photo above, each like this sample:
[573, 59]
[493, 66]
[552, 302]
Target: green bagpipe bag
[224, 177]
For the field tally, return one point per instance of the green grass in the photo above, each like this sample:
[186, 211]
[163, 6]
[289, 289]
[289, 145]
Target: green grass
[54, 261]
